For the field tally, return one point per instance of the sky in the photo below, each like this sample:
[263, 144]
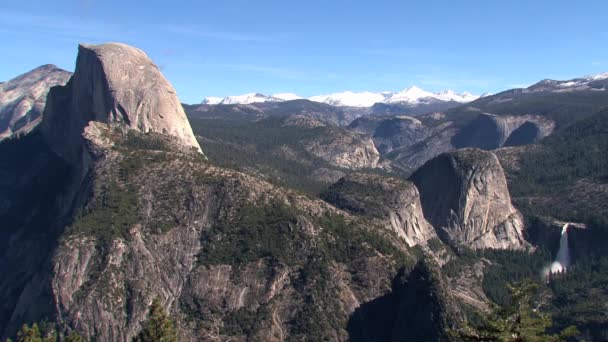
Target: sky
[230, 47]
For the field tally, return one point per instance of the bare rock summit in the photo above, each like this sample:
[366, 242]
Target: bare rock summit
[465, 197]
[119, 85]
[22, 99]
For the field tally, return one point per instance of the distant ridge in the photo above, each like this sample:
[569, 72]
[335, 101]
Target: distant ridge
[410, 96]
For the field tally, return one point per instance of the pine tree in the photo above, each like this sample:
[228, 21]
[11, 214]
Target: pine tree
[522, 321]
[159, 327]
[27, 334]
[74, 337]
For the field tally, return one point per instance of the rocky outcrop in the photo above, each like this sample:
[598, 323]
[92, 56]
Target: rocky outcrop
[394, 202]
[438, 141]
[345, 149]
[391, 133]
[419, 308]
[465, 197]
[302, 121]
[115, 84]
[489, 131]
[23, 98]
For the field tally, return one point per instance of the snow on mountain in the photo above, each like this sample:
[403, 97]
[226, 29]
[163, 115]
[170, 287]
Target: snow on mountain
[287, 96]
[212, 100]
[576, 84]
[597, 77]
[250, 98]
[412, 96]
[409, 95]
[351, 99]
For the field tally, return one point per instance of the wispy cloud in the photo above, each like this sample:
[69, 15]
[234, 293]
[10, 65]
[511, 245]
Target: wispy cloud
[218, 35]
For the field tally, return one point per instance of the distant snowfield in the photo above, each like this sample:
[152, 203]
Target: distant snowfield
[412, 95]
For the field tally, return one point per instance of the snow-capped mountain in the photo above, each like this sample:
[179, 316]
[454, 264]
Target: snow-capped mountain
[351, 99]
[411, 96]
[212, 100]
[591, 82]
[287, 97]
[250, 98]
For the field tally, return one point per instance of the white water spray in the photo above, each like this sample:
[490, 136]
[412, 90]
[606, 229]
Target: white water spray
[562, 260]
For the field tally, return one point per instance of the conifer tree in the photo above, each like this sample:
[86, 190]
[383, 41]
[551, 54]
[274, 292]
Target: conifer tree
[522, 321]
[159, 327]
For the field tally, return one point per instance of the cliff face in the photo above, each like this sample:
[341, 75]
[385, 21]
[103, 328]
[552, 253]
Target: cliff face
[347, 150]
[389, 134]
[216, 246]
[137, 214]
[464, 195]
[395, 203]
[418, 309]
[490, 131]
[115, 84]
[23, 98]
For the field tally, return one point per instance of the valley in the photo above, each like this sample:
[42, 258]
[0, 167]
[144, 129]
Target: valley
[276, 218]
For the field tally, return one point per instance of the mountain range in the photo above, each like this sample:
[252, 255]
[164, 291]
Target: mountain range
[410, 96]
[420, 217]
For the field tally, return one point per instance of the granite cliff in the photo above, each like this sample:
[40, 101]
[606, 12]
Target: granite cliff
[22, 99]
[465, 197]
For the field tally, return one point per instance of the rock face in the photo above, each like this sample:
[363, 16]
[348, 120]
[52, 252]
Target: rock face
[465, 197]
[115, 84]
[490, 131]
[395, 202]
[23, 98]
[391, 133]
[347, 150]
[419, 308]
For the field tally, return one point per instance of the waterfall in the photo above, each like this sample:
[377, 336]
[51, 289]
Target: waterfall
[562, 260]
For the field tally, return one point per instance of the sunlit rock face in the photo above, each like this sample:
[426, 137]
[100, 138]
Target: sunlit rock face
[394, 202]
[119, 85]
[23, 98]
[465, 197]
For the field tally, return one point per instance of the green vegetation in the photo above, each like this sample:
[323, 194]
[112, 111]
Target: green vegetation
[244, 321]
[357, 198]
[564, 108]
[578, 152]
[320, 315]
[257, 232]
[44, 332]
[139, 141]
[256, 146]
[508, 267]
[580, 298]
[524, 320]
[159, 326]
[112, 213]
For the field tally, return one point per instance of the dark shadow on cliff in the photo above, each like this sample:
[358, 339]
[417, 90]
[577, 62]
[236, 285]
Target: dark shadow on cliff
[417, 309]
[32, 180]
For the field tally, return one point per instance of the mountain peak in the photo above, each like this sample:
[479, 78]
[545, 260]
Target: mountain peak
[22, 99]
[413, 95]
[116, 84]
[596, 77]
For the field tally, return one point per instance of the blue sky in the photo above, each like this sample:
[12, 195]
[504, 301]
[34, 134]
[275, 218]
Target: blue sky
[220, 48]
